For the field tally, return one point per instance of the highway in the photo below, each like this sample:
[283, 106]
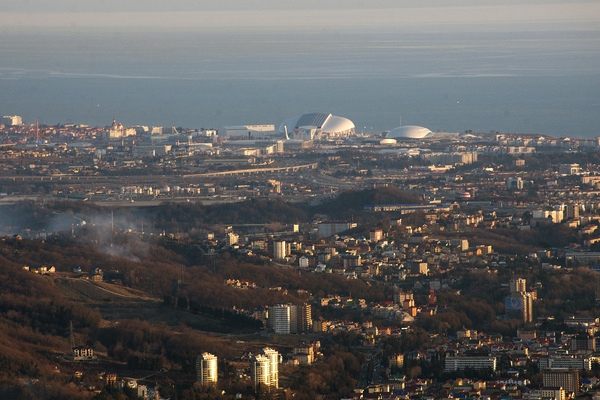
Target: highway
[138, 179]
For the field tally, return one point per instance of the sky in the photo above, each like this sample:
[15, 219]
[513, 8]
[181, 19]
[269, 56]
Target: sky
[206, 14]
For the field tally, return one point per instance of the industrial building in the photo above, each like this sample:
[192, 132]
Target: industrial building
[246, 132]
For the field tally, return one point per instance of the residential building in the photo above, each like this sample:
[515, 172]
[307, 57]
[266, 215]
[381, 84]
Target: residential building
[568, 379]
[303, 262]
[231, 239]
[280, 318]
[583, 343]
[519, 304]
[419, 268]
[513, 183]
[553, 393]
[327, 229]
[566, 361]
[280, 249]
[527, 307]
[290, 318]
[304, 353]
[375, 235]
[206, 369]
[397, 360]
[259, 371]
[451, 158]
[405, 299]
[556, 215]
[572, 211]
[518, 285]
[293, 318]
[569, 169]
[273, 357]
[305, 317]
[458, 363]
[83, 353]
[462, 244]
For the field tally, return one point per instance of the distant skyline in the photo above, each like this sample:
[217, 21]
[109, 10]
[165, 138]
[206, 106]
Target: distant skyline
[231, 14]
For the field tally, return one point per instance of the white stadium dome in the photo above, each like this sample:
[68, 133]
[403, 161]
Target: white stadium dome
[311, 126]
[408, 132]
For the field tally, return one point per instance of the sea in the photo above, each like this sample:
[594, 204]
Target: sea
[522, 80]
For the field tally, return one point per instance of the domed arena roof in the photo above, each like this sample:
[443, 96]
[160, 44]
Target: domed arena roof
[408, 132]
[310, 126]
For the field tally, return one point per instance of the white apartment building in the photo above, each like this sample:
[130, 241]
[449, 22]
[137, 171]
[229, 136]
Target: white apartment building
[260, 371]
[206, 369]
[231, 239]
[556, 214]
[457, 363]
[273, 357]
[303, 262]
[280, 250]
[572, 362]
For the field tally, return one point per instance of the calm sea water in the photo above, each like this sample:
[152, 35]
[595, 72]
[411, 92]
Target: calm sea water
[516, 81]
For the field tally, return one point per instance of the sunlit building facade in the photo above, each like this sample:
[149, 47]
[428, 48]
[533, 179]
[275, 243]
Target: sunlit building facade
[206, 369]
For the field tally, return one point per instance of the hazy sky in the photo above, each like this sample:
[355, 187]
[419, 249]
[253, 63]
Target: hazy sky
[574, 14]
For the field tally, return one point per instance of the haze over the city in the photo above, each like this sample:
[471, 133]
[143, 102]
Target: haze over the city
[445, 65]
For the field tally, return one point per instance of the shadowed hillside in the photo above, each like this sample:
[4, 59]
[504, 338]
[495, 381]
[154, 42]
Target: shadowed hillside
[353, 202]
[188, 217]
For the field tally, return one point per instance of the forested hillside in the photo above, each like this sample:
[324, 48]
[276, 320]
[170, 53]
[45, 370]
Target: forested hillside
[191, 218]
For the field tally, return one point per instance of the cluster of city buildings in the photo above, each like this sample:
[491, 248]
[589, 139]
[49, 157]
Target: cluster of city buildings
[560, 357]
[558, 385]
[264, 369]
[309, 157]
[118, 163]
